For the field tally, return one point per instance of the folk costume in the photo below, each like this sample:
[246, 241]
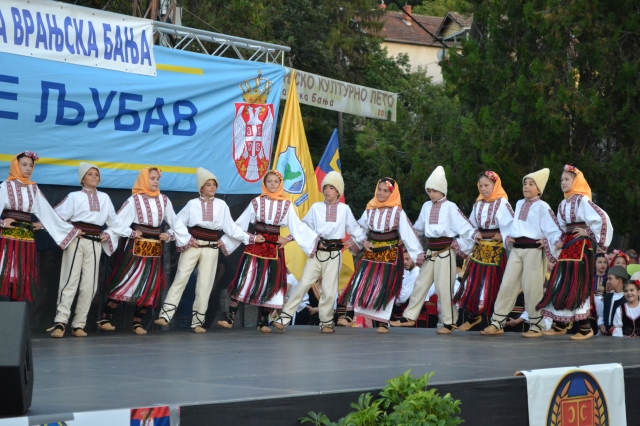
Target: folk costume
[377, 279]
[203, 220]
[606, 307]
[261, 278]
[568, 296]
[19, 199]
[89, 211]
[527, 265]
[626, 322]
[441, 222]
[331, 222]
[488, 259]
[138, 275]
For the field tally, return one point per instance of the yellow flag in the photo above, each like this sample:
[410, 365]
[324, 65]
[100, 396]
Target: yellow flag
[293, 160]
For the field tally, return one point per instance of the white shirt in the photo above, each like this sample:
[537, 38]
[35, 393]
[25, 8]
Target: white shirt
[534, 219]
[215, 215]
[579, 208]
[444, 219]
[497, 215]
[14, 195]
[408, 281]
[277, 213]
[88, 207]
[387, 219]
[632, 313]
[333, 222]
[148, 211]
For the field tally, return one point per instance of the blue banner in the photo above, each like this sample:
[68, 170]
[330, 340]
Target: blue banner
[200, 111]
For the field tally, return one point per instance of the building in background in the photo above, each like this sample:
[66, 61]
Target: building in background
[402, 35]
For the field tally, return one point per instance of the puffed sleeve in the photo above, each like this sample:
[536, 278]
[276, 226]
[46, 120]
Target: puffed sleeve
[66, 208]
[231, 229]
[410, 239]
[551, 231]
[111, 212]
[121, 227]
[461, 225]
[598, 222]
[504, 216]
[464, 246]
[184, 215]
[357, 235]
[617, 323]
[177, 229]
[310, 218]
[364, 221]
[61, 232]
[306, 238]
[421, 223]
[228, 244]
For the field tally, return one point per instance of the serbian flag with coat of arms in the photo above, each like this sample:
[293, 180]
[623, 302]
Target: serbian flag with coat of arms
[152, 416]
[330, 161]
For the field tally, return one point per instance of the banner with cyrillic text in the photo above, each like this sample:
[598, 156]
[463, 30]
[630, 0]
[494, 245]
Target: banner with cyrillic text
[344, 97]
[577, 396]
[200, 111]
[77, 35]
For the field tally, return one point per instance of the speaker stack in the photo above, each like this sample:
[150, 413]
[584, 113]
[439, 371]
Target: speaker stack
[16, 362]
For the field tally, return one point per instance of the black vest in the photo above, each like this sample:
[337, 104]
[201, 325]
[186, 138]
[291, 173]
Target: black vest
[630, 327]
[609, 311]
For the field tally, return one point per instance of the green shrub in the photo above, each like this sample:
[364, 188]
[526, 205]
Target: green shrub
[403, 401]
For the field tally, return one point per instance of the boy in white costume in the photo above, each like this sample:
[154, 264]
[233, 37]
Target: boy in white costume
[440, 221]
[88, 210]
[204, 217]
[532, 239]
[331, 220]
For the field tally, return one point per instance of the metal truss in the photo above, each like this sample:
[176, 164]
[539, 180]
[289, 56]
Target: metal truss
[179, 37]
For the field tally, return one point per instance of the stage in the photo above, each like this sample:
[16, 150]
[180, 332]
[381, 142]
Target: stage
[241, 376]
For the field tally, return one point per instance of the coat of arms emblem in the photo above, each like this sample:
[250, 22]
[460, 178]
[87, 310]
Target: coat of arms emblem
[253, 129]
[578, 401]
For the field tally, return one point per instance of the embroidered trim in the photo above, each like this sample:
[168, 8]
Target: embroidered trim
[547, 251]
[576, 317]
[108, 240]
[434, 214]
[252, 238]
[490, 212]
[285, 210]
[603, 217]
[372, 215]
[70, 236]
[315, 247]
[61, 202]
[276, 219]
[10, 191]
[397, 211]
[254, 204]
[555, 219]
[289, 237]
[331, 213]
[160, 209]
[132, 235]
[123, 206]
[271, 206]
[171, 235]
[207, 209]
[524, 212]
[136, 201]
[94, 202]
[192, 243]
[382, 212]
[262, 210]
[32, 195]
[353, 245]
[222, 247]
[510, 209]
[457, 249]
[572, 202]
[479, 208]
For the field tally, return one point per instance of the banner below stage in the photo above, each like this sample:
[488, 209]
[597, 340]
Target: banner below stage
[590, 395]
[200, 111]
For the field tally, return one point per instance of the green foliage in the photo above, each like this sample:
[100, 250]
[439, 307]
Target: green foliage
[441, 7]
[403, 401]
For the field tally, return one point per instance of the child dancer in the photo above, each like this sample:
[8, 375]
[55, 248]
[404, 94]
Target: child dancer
[533, 232]
[440, 221]
[377, 280]
[19, 199]
[88, 210]
[568, 296]
[204, 217]
[492, 217]
[331, 220]
[626, 322]
[262, 273]
[619, 258]
[138, 275]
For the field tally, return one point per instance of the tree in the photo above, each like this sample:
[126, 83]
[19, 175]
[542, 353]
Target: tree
[545, 83]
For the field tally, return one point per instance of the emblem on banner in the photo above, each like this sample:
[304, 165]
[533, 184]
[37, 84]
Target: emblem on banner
[291, 168]
[578, 401]
[253, 129]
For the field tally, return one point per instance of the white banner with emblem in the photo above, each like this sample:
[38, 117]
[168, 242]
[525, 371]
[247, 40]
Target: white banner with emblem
[340, 96]
[77, 35]
[590, 395]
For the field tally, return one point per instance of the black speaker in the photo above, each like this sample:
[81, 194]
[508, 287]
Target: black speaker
[16, 363]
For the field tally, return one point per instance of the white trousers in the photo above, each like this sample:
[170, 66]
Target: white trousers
[207, 259]
[440, 270]
[326, 265]
[79, 274]
[525, 270]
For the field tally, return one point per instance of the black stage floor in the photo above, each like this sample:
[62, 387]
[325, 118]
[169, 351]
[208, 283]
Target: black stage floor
[217, 374]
